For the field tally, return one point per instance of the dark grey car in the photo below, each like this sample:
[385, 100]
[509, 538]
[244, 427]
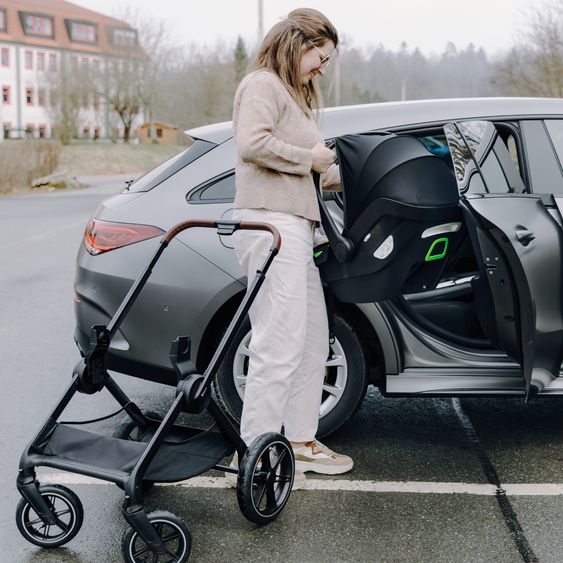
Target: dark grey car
[463, 336]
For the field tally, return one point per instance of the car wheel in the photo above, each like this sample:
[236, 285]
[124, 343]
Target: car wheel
[344, 386]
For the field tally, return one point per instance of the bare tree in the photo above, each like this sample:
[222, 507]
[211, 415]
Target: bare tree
[68, 89]
[534, 66]
[131, 84]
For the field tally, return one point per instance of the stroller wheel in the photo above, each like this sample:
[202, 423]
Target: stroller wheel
[68, 512]
[129, 430]
[265, 478]
[173, 532]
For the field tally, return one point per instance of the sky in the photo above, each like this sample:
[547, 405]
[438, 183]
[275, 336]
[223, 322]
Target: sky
[426, 24]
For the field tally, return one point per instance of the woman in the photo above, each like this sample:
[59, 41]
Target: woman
[278, 146]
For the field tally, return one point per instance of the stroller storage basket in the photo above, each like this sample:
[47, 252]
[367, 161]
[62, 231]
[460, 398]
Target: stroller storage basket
[158, 449]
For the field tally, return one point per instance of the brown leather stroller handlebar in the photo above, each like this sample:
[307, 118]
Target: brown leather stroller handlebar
[224, 228]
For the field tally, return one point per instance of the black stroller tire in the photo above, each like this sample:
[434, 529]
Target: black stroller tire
[126, 428]
[173, 532]
[69, 512]
[126, 431]
[265, 478]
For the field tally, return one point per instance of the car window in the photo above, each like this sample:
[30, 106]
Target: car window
[490, 148]
[555, 130]
[162, 172]
[220, 189]
[543, 165]
[513, 150]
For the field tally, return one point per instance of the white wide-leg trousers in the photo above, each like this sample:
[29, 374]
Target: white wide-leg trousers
[289, 343]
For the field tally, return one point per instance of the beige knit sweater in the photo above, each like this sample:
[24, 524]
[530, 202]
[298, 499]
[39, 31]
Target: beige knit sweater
[274, 139]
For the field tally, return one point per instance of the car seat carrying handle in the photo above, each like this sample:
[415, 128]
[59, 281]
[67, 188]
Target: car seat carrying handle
[342, 247]
[223, 228]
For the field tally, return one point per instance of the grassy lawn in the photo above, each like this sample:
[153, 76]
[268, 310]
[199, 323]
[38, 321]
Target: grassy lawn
[88, 159]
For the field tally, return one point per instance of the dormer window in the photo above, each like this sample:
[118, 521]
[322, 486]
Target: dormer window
[123, 37]
[82, 31]
[40, 25]
[3, 23]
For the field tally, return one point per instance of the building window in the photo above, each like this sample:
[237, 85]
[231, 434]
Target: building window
[5, 54]
[37, 24]
[30, 130]
[41, 97]
[86, 132]
[96, 133]
[82, 32]
[40, 61]
[29, 60]
[42, 130]
[159, 132]
[6, 126]
[6, 94]
[52, 62]
[3, 24]
[123, 37]
[29, 96]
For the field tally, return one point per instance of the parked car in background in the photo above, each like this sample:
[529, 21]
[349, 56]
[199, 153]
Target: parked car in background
[462, 337]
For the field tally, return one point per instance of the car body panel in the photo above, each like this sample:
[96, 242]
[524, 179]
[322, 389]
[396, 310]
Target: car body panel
[412, 359]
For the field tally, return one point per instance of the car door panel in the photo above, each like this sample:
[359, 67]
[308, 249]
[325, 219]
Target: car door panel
[520, 244]
[519, 248]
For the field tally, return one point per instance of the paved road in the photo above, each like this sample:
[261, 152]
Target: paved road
[436, 480]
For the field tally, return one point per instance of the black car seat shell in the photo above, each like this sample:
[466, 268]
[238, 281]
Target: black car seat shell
[400, 206]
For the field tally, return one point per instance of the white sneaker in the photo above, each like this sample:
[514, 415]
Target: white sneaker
[299, 478]
[314, 456]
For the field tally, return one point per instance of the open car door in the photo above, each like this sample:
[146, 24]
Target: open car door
[518, 241]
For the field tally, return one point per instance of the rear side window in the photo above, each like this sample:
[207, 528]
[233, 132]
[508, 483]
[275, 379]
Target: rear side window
[220, 189]
[162, 172]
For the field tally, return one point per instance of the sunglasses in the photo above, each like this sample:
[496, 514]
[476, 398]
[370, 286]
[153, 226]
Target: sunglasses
[325, 59]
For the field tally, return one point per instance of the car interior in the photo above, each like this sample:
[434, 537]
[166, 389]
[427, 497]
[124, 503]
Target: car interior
[439, 296]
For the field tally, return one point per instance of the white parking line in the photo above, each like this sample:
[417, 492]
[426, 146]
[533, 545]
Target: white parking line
[416, 487]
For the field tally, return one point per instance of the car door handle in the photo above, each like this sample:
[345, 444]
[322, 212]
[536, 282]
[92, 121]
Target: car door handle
[524, 236]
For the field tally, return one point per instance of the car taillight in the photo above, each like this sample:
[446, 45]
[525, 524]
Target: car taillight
[103, 236]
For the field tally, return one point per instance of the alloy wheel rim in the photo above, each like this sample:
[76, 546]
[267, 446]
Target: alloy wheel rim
[336, 373]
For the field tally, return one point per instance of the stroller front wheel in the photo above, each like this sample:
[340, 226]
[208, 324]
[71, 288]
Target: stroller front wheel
[175, 536]
[65, 506]
[265, 478]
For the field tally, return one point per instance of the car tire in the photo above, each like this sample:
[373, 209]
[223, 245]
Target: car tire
[345, 381]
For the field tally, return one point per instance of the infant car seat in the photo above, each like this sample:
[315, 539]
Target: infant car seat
[400, 210]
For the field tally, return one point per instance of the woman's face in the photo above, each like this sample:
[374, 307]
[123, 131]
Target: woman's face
[314, 60]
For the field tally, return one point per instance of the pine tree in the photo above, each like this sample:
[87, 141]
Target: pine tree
[241, 59]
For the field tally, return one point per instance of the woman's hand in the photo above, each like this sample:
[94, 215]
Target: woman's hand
[322, 158]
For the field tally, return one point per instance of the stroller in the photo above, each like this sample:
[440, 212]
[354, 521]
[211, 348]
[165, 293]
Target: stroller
[401, 218]
[150, 449]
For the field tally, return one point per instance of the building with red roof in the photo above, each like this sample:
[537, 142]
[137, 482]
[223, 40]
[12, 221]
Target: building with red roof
[36, 38]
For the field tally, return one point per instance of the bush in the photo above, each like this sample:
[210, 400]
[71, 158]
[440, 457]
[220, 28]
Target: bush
[23, 161]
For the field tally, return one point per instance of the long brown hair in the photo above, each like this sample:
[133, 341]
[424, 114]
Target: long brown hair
[282, 48]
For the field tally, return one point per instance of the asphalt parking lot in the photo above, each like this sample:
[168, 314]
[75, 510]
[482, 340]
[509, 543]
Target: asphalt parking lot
[471, 480]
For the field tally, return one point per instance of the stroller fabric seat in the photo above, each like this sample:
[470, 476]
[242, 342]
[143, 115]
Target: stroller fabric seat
[401, 215]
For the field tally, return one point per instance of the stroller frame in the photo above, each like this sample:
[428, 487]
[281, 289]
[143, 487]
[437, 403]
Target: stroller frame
[193, 395]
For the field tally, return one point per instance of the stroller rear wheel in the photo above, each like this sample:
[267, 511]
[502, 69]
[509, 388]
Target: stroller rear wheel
[130, 430]
[68, 511]
[175, 536]
[265, 478]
